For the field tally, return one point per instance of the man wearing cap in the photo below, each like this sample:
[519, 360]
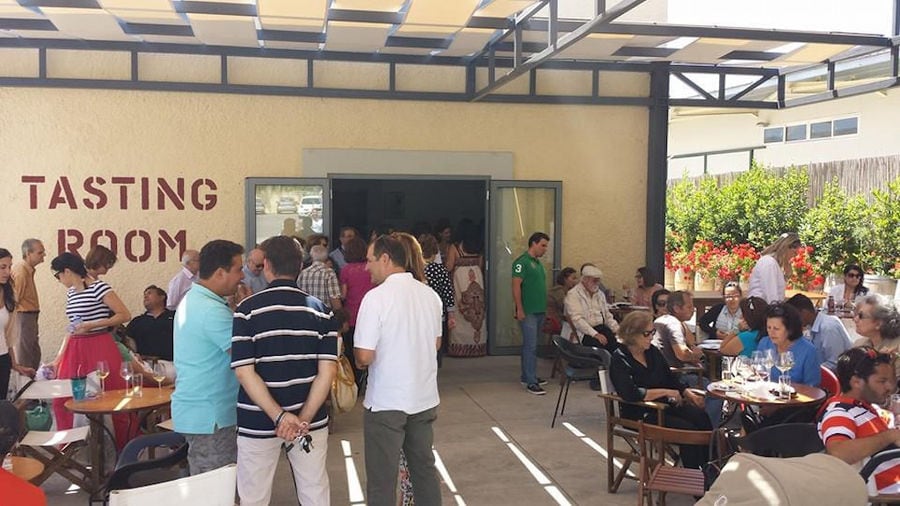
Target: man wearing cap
[586, 305]
[529, 288]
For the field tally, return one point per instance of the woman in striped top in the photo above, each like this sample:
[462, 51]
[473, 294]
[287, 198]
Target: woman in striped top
[93, 309]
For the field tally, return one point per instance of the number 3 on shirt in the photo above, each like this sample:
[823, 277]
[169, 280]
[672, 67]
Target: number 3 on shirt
[518, 268]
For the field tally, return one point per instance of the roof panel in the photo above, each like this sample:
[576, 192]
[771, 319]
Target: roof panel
[222, 30]
[434, 31]
[299, 46]
[91, 24]
[294, 24]
[311, 9]
[814, 53]
[162, 17]
[170, 39]
[595, 46]
[441, 12]
[356, 37]
[503, 8]
[144, 5]
[16, 11]
[369, 5]
[468, 40]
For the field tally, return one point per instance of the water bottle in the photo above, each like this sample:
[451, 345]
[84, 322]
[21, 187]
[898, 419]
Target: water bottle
[74, 324]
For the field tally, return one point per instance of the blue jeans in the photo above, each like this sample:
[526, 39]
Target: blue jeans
[530, 326]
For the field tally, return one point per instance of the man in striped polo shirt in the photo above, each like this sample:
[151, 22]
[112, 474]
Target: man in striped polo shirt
[854, 428]
[284, 352]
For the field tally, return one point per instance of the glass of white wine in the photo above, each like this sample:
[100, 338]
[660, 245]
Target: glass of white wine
[102, 373]
[784, 364]
[159, 374]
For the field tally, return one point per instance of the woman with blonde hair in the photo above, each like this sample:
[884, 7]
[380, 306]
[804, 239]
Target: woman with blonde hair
[769, 276]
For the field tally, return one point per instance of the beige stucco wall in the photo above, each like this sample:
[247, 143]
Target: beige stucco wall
[598, 152]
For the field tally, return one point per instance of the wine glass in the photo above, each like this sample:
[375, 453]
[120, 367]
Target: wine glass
[127, 371]
[159, 374]
[785, 363]
[759, 365]
[769, 359]
[102, 373]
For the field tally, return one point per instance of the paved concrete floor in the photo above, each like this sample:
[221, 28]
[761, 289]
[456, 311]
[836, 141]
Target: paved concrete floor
[479, 399]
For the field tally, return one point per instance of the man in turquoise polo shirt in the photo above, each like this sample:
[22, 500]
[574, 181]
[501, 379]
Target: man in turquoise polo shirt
[204, 405]
[529, 287]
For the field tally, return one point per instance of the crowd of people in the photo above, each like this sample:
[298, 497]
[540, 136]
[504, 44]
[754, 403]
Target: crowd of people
[253, 340]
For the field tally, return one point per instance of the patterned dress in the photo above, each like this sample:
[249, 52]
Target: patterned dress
[467, 339]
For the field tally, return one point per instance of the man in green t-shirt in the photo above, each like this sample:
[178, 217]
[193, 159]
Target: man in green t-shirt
[529, 288]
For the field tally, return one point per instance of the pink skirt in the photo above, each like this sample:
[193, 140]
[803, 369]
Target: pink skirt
[80, 358]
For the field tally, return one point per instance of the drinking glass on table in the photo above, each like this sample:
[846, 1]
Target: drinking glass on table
[127, 372]
[784, 364]
[759, 365]
[102, 373]
[159, 374]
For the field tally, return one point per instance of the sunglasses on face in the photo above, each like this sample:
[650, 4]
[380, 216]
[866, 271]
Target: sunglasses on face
[661, 303]
[863, 316]
[853, 275]
[648, 333]
[57, 274]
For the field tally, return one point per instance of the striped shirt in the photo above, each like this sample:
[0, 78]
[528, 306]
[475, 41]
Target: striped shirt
[283, 333]
[88, 304]
[845, 419]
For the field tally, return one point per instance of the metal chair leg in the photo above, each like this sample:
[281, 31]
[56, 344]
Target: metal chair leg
[565, 396]
[558, 398]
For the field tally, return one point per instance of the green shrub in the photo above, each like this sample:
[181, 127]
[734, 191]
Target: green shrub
[837, 228]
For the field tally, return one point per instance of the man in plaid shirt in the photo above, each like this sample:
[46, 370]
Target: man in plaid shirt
[319, 280]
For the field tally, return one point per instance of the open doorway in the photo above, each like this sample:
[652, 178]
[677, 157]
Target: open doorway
[405, 204]
[421, 206]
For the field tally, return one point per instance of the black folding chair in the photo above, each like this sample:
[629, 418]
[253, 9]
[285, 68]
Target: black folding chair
[785, 441]
[582, 363]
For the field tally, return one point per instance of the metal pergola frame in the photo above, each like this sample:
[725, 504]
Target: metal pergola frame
[500, 66]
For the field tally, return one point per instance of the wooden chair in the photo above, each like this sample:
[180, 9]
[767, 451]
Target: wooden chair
[55, 449]
[626, 430]
[656, 474]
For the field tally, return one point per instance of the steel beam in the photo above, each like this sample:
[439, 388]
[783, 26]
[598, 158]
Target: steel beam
[849, 91]
[696, 87]
[670, 30]
[737, 96]
[657, 167]
[568, 40]
[724, 104]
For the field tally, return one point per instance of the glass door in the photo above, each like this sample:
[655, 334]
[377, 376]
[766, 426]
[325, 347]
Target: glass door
[293, 206]
[518, 209]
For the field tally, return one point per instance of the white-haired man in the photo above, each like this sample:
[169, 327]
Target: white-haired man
[182, 282]
[319, 280]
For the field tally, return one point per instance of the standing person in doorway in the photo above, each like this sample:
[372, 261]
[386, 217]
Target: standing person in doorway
[355, 284]
[337, 256]
[398, 332]
[28, 349]
[204, 405]
[466, 265]
[529, 288]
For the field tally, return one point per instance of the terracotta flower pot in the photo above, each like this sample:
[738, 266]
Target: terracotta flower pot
[684, 280]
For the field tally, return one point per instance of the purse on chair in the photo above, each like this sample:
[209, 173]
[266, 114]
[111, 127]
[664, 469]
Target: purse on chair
[344, 390]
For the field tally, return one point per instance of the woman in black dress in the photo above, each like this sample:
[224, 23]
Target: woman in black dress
[640, 373]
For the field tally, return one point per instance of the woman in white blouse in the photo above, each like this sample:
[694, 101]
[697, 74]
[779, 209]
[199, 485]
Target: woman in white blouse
[769, 276]
[851, 288]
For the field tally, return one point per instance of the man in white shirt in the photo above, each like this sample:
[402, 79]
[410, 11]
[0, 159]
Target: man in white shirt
[673, 337]
[398, 333]
[586, 306]
[182, 282]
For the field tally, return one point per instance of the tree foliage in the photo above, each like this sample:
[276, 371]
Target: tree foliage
[837, 227]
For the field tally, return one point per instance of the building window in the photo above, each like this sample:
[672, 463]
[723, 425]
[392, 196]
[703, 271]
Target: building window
[820, 130]
[795, 133]
[846, 126]
[771, 135]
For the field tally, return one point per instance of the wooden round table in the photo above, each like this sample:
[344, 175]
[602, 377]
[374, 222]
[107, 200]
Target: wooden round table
[26, 468]
[114, 402]
[805, 395]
